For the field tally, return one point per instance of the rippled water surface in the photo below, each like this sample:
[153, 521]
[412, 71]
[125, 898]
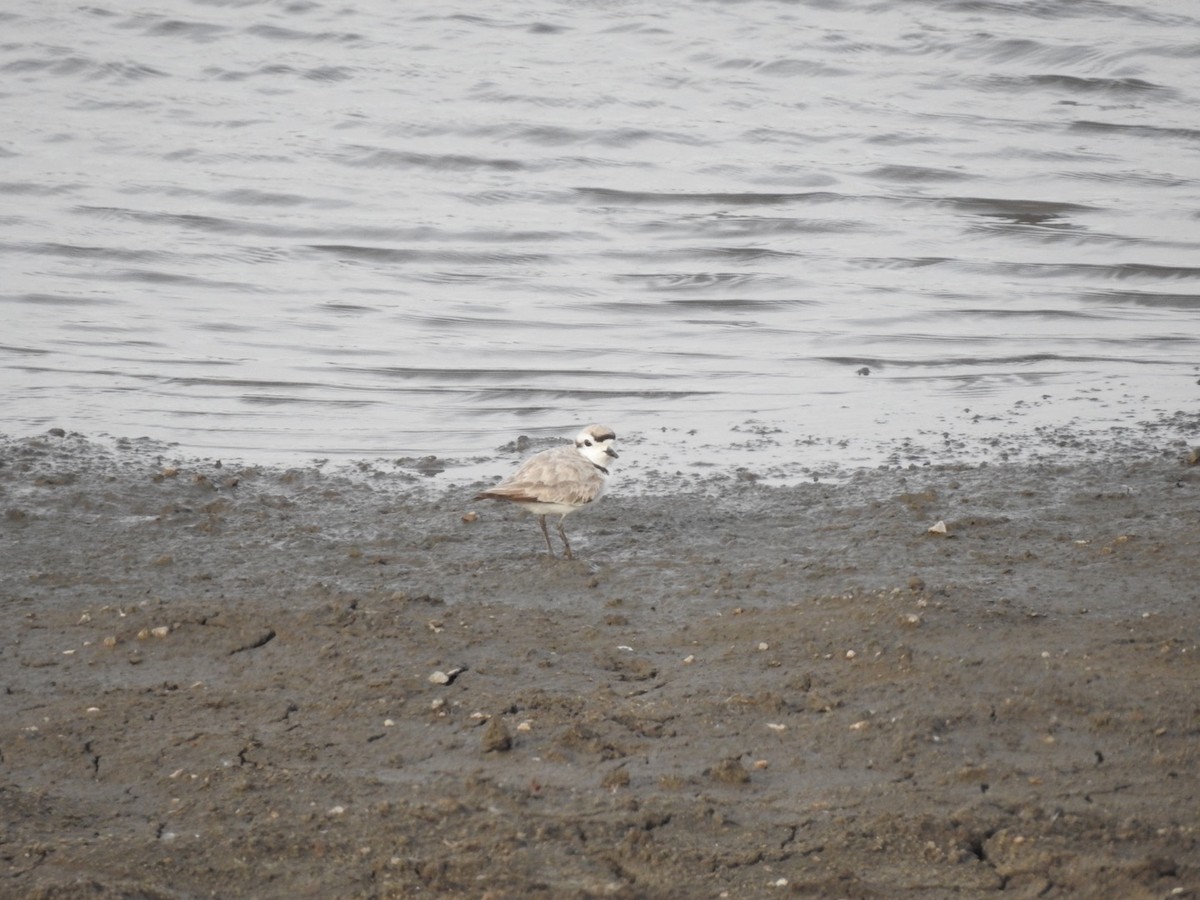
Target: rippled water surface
[279, 230]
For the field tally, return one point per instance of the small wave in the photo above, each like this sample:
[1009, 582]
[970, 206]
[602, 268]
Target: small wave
[23, 351]
[279, 33]
[249, 197]
[407, 255]
[995, 312]
[1127, 176]
[1054, 231]
[1025, 50]
[201, 32]
[152, 276]
[916, 174]
[187, 220]
[731, 304]
[1116, 271]
[406, 159]
[1154, 132]
[1115, 87]
[788, 68]
[757, 226]
[553, 398]
[91, 70]
[735, 254]
[506, 376]
[741, 198]
[1145, 298]
[58, 300]
[1090, 10]
[318, 73]
[975, 361]
[554, 135]
[698, 281]
[286, 400]
[79, 251]
[1024, 212]
[900, 262]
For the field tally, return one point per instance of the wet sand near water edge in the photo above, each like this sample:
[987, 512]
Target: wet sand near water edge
[238, 681]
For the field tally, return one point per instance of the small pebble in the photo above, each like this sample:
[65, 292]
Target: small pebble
[496, 737]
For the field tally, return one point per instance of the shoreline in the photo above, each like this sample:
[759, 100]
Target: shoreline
[217, 681]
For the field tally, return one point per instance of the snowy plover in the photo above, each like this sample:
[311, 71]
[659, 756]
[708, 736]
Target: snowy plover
[560, 480]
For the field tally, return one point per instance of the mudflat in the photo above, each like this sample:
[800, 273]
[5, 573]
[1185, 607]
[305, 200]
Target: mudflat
[230, 681]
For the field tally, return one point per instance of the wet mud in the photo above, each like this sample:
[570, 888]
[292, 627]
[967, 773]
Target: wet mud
[222, 681]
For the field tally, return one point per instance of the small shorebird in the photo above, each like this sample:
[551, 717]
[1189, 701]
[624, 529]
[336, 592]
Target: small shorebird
[560, 480]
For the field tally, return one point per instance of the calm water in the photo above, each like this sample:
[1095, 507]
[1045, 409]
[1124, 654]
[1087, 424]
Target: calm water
[279, 230]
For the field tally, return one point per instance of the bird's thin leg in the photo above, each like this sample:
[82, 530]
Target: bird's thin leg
[546, 534]
[563, 534]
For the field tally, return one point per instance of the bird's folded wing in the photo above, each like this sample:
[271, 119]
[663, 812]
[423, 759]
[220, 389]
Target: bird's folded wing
[551, 478]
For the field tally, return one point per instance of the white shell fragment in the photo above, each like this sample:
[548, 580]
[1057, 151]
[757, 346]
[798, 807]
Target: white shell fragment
[440, 677]
[939, 527]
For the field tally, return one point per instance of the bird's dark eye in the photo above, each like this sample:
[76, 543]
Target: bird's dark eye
[587, 443]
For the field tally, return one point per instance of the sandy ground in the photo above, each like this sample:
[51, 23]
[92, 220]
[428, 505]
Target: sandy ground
[215, 681]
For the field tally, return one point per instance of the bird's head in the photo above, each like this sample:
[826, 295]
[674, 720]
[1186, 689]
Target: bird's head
[596, 444]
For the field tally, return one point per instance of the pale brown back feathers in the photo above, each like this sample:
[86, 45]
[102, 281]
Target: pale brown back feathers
[559, 475]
